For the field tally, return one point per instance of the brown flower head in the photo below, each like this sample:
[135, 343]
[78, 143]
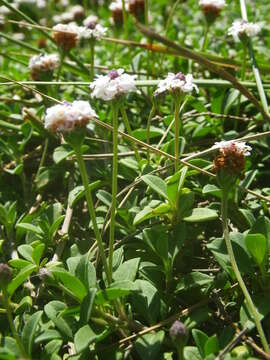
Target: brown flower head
[66, 36]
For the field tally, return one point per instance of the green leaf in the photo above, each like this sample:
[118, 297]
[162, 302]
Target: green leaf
[83, 338]
[200, 339]
[86, 272]
[191, 353]
[110, 294]
[26, 251]
[127, 270]
[201, 215]
[157, 239]
[71, 282]
[29, 331]
[211, 346]
[86, 306]
[30, 227]
[156, 184]
[211, 190]
[20, 278]
[149, 346]
[193, 280]
[145, 214]
[19, 263]
[47, 335]
[78, 192]
[141, 134]
[53, 310]
[257, 247]
[37, 253]
[62, 152]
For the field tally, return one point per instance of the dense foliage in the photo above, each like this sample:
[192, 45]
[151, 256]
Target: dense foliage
[134, 265]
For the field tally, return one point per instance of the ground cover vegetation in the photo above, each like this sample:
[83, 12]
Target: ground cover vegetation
[134, 184]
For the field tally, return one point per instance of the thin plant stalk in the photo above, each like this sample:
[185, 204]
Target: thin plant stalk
[92, 59]
[11, 324]
[146, 12]
[243, 75]
[62, 58]
[251, 306]
[43, 157]
[92, 213]
[129, 130]
[85, 5]
[115, 109]
[255, 68]
[205, 37]
[177, 105]
[149, 120]
[125, 18]
[258, 79]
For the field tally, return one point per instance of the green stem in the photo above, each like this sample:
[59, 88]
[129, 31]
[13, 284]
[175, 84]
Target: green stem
[43, 157]
[251, 306]
[11, 324]
[258, 79]
[205, 38]
[176, 131]
[62, 57]
[91, 209]
[92, 58]
[85, 5]
[149, 120]
[129, 130]
[243, 76]
[146, 12]
[125, 18]
[115, 108]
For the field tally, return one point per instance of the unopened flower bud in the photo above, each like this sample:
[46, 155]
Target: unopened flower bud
[5, 275]
[65, 36]
[211, 9]
[179, 332]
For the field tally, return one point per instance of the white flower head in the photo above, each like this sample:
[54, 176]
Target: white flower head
[241, 28]
[238, 146]
[66, 35]
[93, 31]
[117, 5]
[44, 62]
[176, 83]
[67, 116]
[90, 20]
[218, 4]
[110, 86]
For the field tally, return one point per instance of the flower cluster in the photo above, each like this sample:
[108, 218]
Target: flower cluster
[242, 29]
[116, 9]
[43, 64]
[90, 21]
[93, 31]
[113, 85]
[231, 157]
[176, 83]
[66, 36]
[67, 116]
[76, 12]
[212, 8]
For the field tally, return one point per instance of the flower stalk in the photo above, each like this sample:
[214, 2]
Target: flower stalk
[149, 120]
[92, 58]
[129, 130]
[115, 110]
[251, 306]
[91, 209]
[177, 125]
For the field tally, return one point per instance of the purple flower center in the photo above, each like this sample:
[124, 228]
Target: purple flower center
[92, 25]
[113, 74]
[67, 103]
[180, 76]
